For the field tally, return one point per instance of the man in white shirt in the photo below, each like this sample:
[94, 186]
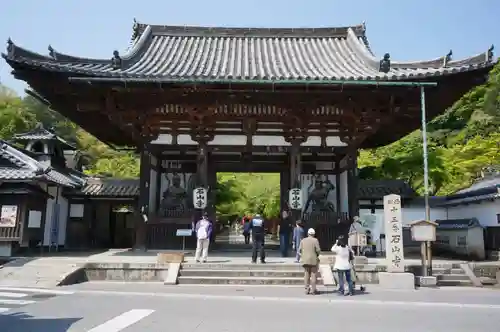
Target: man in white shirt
[203, 230]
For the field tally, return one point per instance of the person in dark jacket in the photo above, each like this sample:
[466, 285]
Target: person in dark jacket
[258, 236]
[246, 229]
[284, 232]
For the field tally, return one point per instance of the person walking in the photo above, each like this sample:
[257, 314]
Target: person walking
[298, 235]
[343, 258]
[309, 258]
[203, 231]
[285, 228]
[258, 237]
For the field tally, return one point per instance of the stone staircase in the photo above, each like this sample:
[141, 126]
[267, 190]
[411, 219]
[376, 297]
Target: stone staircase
[452, 275]
[242, 274]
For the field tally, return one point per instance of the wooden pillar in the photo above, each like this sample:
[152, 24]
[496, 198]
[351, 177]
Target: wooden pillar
[202, 179]
[159, 175]
[337, 187]
[352, 185]
[295, 171]
[142, 213]
[355, 180]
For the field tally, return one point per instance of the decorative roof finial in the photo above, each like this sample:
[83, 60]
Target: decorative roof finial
[10, 47]
[490, 54]
[364, 26]
[116, 61]
[447, 58]
[135, 29]
[385, 63]
[52, 53]
[39, 126]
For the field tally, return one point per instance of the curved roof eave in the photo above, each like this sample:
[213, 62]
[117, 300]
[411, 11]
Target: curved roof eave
[159, 53]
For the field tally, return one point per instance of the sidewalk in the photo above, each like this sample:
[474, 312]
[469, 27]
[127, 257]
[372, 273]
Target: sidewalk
[450, 296]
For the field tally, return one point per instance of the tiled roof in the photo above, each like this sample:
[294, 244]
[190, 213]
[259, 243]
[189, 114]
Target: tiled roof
[490, 182]
[377, 189]
[40, 133]
[25, 168]
[108, 187]
[7, 188]
[471, 199]
[458, 223]
[181, 53]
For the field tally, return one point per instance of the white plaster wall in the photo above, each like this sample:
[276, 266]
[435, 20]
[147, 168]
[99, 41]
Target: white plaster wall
[413, 213]
[49, 214]
[63, 218]
[50, 218]
[474, 242]
[486, 212]
[5, 249]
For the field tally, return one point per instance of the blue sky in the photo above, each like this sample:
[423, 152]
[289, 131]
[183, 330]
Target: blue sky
[408, 30]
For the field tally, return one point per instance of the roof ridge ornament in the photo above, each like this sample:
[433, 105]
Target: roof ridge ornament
[136, 28]
[10, 48]
[116, 60]
[385, 63]
[52, 52]
[447, 58]
[490, 54]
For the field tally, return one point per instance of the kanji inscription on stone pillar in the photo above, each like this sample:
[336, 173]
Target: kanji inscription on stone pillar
[393, 233]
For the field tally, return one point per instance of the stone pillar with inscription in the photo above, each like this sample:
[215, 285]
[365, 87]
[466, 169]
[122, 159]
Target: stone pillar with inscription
[395, 277]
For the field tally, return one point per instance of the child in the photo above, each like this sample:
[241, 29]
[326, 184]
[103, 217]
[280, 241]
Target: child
[298, 235]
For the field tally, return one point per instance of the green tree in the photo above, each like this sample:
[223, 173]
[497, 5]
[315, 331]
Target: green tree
[14, 116]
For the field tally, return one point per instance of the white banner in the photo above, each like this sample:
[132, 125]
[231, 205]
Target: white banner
[200, 196]
[295, 199]
[393, 233]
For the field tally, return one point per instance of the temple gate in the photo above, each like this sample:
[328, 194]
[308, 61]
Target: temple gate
[195, 101]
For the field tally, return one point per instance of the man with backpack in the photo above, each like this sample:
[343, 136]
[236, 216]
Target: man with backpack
[203, 230]
[258, 237]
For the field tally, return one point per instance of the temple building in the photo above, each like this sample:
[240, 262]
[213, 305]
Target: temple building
[195, 101]
[33, 177]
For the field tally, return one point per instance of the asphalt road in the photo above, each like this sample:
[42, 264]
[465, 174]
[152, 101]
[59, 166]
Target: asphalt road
[114, 307]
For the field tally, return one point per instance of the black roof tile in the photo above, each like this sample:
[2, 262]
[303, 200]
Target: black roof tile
[40, 133]
[182, 53]
[377, 189]
[458, 223]
[108, 187]
[25, 168]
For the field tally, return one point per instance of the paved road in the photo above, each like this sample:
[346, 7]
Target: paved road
[114, 307]
[14, 297]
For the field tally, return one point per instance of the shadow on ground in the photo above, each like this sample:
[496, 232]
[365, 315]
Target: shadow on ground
[21, 322]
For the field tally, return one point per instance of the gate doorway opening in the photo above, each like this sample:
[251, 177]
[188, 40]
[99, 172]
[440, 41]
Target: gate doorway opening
[246, 194]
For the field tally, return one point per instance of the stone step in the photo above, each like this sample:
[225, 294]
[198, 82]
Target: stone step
[247, 273]
[452, 277]
[242, 281]
[436, 271]
[258, 266]
[454, 283]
